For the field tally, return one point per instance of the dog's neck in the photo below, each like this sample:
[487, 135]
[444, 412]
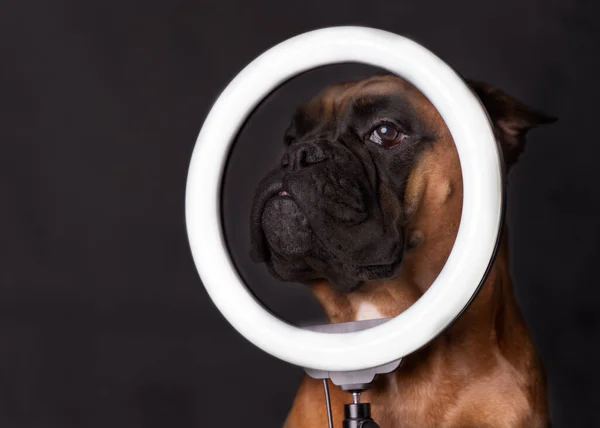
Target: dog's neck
[488, 318]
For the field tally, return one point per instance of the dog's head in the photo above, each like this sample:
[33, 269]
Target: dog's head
[362, 159]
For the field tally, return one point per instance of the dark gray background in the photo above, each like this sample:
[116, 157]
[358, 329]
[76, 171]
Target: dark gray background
[103, 321]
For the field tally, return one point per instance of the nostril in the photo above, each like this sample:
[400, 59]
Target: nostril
[307, 157]
[302, 155]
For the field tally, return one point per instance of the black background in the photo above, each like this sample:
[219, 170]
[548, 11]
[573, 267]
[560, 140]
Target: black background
[103, 321]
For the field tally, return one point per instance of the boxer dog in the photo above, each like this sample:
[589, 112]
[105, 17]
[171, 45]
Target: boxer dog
[364, 208]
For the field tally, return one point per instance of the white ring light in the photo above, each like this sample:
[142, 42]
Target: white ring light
[478, 232]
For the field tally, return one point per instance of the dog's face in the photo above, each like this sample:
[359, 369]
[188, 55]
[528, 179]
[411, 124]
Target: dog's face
[340, 203]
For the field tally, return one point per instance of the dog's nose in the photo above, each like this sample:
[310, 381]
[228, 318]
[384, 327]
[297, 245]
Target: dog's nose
[301, 155]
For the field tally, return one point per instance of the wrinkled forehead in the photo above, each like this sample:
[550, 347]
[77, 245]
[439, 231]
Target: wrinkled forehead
[365, 96]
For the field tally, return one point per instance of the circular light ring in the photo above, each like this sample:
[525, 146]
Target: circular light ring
[478, 232]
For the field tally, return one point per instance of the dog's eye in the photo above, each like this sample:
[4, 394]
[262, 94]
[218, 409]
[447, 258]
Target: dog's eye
[387, 135]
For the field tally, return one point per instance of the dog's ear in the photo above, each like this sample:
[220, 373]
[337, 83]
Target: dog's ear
[512, 119]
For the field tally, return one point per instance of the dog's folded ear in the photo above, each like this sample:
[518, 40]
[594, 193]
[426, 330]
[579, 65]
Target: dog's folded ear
[512, 119]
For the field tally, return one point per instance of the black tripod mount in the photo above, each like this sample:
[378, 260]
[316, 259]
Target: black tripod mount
[357, 414]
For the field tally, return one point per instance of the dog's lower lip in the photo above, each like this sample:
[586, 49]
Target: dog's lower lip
[283, 193]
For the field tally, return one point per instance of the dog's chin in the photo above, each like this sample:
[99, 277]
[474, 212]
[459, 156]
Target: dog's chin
[286, 228]
[297, 255]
